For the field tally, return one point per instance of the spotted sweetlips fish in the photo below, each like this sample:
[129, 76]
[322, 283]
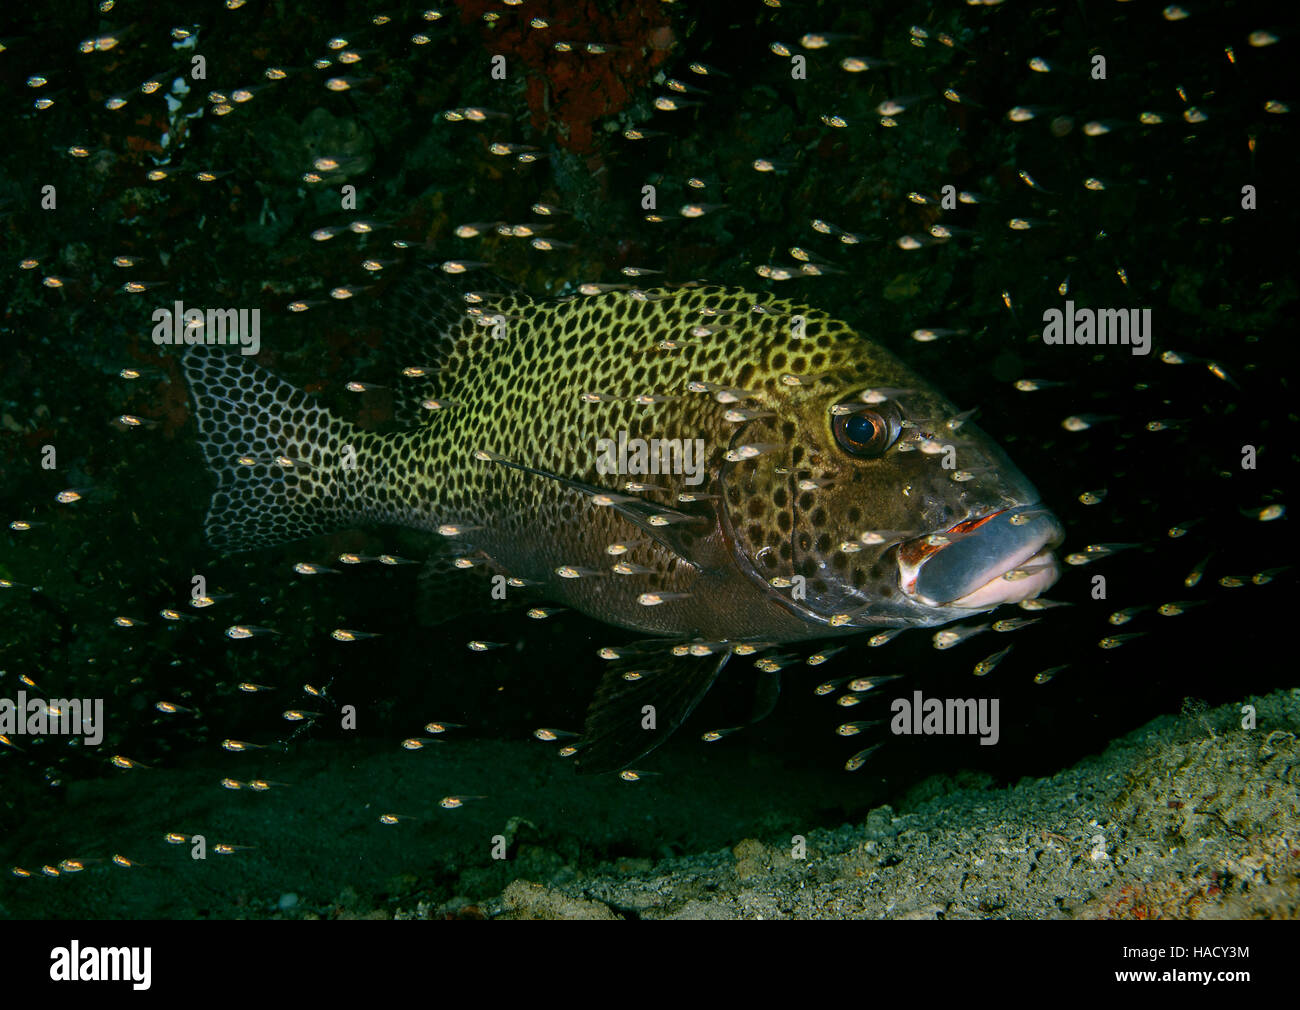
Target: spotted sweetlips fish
[710, 467]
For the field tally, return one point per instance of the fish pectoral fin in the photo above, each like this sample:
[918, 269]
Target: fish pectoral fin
[628, 718]
[662, 523]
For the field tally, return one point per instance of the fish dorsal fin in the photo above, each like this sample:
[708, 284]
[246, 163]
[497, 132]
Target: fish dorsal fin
[615, 732]
[424, 317]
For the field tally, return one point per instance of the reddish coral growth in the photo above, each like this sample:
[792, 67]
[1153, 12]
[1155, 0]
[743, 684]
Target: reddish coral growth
[137, 144]
[569, 92]
[1169, 899]
[140, 141]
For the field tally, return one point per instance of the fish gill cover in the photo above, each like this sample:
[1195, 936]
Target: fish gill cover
[382, 385]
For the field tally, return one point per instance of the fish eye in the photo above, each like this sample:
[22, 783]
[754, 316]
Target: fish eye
[866, 434]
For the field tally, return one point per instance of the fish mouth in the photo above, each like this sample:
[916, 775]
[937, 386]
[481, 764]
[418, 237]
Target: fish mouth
[1000, 557]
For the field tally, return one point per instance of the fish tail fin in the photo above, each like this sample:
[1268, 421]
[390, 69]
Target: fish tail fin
[278, 457]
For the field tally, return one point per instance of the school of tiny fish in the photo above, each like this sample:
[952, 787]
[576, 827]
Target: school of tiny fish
[467, 273]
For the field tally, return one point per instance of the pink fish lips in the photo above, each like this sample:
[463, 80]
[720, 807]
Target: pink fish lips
[1003, 557]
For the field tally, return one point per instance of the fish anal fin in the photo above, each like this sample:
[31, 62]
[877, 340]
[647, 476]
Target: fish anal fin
[446, 592]
[615, 732]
